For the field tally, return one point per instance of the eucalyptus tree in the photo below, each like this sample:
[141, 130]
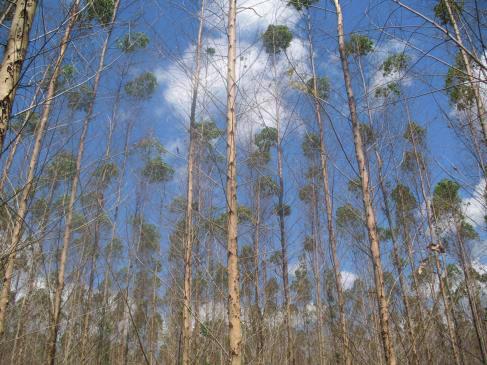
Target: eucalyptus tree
[319, 89]
[415, 162]
[187, 311]
[234, 322]
[263, 189]
[13, 60]
[276, 39]
[29, 185]
[59, 170]
[310, 196]
[111, 12]
[301, 286]
[358, 48]
[447, 205]
[450, 12]
[129, 44]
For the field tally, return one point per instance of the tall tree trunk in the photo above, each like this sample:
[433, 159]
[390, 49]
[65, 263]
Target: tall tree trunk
[235, 331]
[13, 59]
[317, 272]
[469, 284]
[29, 185]
[387, 342]
[18, 139]
[397, 263]
[329, 210]
[432, 227]
[188, 247]
[473, 83]
[37, 252]
[256, 253]
[72, 198]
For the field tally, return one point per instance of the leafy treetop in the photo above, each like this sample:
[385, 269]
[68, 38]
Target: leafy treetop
[322, 87]
[142, 87]
[101, 10]
[300, 4]
[132, 42]
[277, 38]
[395, 63]
[441, 10]
[359, 45]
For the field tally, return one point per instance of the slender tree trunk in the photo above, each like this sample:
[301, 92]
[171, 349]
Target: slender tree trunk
[188, 247]
[26, 192]
[235, 332]
[13, 59]
[18, 139]
[329, 210]
[442, 282]
[472, 297]
[258, 316]
[17, 355]
[387, 342]
[397, 263]
[72, 198]
[473, 83]
[317, 274]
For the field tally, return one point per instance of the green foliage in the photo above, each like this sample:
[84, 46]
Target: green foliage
[132, 42]
[410, 162]
[347, 216]
[266, 139]
[467, 232]
[62, 167]
[313, 172]
[441, 11]
[150, 146]
[100, 10]
[78, 222]
[142, 87]
[259, 158]
[311, 145]
[148, 234]
[277, 38]
[415, 134]
[391, 89]
[355, 186]
[39, 209]
[301, 285]
[384, 234]
[322, 87]
[157, 171]
[283, 209]
[404, 199]
[395, 63]
[21, 125]
[367, 133]
[207, 131]
[445, 197]
[210, 51]
[81, 98]
[309, 244]
[244, 214]
[359, 45]
[307, 193]
[457, 85]
[300, 4]
[268, 187]
[105, 173]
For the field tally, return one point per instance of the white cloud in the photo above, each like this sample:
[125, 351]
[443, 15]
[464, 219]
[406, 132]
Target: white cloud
[256, 102]
[474, 206]
[348, 279]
